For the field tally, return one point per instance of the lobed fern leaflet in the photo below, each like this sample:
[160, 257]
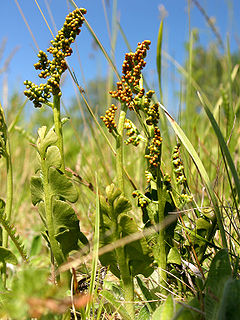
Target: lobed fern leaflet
[14, 236]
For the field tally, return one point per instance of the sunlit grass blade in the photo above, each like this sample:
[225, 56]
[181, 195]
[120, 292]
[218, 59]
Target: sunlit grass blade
[189, 113]
[223, 145]
[95, 249]
[113, 48]
[230, 113]
[17, 118]
[199, 165]
[159, 72]
[124, 37]
[159, 59]
[220, 99]
[117, 305]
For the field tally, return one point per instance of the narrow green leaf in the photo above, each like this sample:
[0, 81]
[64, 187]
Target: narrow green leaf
[36, 245]
[148, 295]
[223, 145]
[95, 248]
[230, 114]
[189, 311]
[220, 271]
[165, 311]
[199, 165]
[117, 305]
[230, 303]
[144, 314]
[159, 59]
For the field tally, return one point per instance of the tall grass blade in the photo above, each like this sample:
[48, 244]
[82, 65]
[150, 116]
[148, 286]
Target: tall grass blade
[189, 84]
[230, 114]
[95, 250]
[220, 272]
[117, 305]
[159, 60]
[17, 118]
[223, 145]
[199, 165]
[159, 72]
[124, 37]
[113, 47]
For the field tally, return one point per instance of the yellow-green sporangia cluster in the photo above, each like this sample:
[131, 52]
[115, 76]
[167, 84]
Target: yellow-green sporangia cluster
[128, 89]
[132, 133]
[178, 167]
[143, 201]
[154, 156]
[181, 179]
[60, 49]
[131, 75]
[109, 120]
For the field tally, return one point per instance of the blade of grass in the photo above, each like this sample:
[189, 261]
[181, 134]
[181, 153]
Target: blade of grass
[25, 21]
[230, 115]
[16, 119]
[113, 47]
[95, 250]
[223, 145]
[159, 72]
[189, 110]
[117, 305]
[159, 59]
[200, 167]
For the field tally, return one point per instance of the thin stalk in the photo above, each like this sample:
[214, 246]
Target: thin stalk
[162, 259]
[58, 127]
[126, 277]
[119, 148]
[9, 199]
[127, 281]
[57, 253]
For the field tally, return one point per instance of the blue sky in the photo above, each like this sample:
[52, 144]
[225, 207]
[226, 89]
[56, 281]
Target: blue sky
[139, 19]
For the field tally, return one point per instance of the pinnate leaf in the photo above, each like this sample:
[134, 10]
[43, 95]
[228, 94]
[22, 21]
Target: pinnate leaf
[7, 256]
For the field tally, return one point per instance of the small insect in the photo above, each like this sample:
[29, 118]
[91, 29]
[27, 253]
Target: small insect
[84, 283]
[81, 89]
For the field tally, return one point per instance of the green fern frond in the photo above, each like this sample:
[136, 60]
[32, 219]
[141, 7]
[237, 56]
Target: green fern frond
[11, 230]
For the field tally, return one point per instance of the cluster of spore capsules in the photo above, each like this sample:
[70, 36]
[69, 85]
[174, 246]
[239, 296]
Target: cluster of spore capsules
[53, 69]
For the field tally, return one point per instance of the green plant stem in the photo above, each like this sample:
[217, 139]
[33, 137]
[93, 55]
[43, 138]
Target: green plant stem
[57, 253]
[126, 277]
[58, 128]
[9, 199]
[162, 259]
[119, 148]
